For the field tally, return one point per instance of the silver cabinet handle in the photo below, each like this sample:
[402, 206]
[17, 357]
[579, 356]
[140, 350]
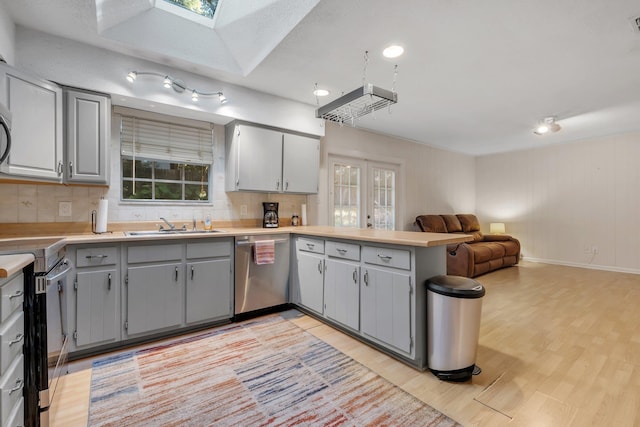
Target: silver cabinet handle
[19, 338]
[192, 271]
[176, 274]
[18, 386]
[286, 185]
[278, 184]
[366, 278]
[320, 266]
[109, 281]
[341, 251]
[60, 167]
[96, 256]
[70, 168]
[355, 276]
[384, 257]
[18, 294]
[310, 246]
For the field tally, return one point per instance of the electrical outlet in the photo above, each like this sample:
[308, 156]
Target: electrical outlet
[64, 208]
[243, 210]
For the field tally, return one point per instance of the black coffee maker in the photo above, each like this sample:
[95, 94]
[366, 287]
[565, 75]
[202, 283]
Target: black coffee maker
[270, 218]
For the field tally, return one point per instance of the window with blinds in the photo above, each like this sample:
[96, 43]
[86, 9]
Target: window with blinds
[164, 161]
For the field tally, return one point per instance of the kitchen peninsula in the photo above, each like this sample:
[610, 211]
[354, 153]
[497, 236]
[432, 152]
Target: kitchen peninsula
[368, 283]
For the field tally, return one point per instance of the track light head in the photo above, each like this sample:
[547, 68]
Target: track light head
[546, 125]
[132, 76]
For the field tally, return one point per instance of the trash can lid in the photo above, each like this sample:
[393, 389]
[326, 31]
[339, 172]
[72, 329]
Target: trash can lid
[456, 286]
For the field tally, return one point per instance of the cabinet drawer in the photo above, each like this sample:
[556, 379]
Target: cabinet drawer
[208, 249]
[343, 250]
[11, 339]
[396, 258]
[11, 386]
[310, 245]
[12, 296]
[88, 257]
[154, 253]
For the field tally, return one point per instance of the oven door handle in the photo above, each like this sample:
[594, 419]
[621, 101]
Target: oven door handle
[60, 274]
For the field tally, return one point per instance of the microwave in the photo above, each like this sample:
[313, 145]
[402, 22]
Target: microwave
[5, 133]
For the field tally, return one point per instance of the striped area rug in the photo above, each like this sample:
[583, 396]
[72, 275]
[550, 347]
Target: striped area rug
[262, 372]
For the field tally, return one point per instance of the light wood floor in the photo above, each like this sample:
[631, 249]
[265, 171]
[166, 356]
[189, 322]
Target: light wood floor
[559, 346]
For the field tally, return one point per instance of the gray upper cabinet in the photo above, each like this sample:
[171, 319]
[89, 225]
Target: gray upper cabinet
[87, 130]
[270, 160]
[36, 129]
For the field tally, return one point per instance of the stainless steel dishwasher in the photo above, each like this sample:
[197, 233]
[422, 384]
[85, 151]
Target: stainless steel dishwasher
[265, 286]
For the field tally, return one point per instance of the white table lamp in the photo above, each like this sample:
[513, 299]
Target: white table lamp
[496, 228]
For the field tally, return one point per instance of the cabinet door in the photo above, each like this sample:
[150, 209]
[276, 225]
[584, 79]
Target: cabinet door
[96, 307]
[300, 164]
[36, 127]
[208, 290]
[385, 307]
[259, 166]
[310, 280]
[88, 127]
[154, 297]
[342, 292]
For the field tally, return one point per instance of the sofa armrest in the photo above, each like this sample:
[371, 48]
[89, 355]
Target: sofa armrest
[460, 260]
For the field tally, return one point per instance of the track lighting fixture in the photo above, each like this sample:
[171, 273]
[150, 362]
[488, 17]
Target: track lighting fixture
[175, 84]
[546, 125]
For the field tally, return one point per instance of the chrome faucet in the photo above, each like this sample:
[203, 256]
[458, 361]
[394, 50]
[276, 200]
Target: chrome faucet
[171, 226]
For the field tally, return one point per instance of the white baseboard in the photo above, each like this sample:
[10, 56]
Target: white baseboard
[581, 265]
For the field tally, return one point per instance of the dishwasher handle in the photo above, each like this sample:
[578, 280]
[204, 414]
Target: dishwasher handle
[250, 243]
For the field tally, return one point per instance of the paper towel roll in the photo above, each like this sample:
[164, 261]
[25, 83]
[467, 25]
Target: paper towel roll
[101, 216]
[303, 214]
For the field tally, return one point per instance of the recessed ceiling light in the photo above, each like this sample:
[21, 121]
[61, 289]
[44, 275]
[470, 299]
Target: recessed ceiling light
[393, 51]
[321, 92]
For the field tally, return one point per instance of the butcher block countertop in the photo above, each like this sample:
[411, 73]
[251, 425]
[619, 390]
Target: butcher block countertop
[11, 264]
[409, 238]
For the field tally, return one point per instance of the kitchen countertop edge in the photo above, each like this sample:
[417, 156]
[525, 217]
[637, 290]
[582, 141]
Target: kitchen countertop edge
[11, 264]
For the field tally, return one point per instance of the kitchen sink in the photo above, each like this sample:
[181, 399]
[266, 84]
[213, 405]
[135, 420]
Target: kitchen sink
[166, 232]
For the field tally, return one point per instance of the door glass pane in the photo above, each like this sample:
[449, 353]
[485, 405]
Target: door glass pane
[346, 190]
[384, 199]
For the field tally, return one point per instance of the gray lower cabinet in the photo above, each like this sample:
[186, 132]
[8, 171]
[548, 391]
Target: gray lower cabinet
[385, 307]
[373, 291]
[11, 357]
[154, 288]
[309, 275]
[94, 304]
[209, 286]
[342, 292]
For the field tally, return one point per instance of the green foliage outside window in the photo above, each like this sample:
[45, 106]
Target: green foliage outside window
[201, 7]
[162, 180]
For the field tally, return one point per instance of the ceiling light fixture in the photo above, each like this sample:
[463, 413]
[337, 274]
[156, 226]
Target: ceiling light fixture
[176, 84]
[321, 92]
[546, 125]
[359, 102]
[393, 51]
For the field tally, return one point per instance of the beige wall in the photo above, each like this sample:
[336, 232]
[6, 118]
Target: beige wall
[563, 201]
[432, 180]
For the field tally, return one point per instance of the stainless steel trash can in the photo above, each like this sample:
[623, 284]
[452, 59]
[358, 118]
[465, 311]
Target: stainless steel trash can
[454, 306]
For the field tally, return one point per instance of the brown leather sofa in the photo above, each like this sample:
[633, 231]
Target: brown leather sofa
[484, 254]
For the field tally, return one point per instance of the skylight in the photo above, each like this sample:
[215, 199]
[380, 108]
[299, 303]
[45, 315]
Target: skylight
[206, 8]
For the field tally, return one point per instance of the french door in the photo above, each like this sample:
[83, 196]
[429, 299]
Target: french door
[363, 193]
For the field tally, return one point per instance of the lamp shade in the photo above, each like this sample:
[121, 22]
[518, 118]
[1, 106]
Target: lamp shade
[496, 228]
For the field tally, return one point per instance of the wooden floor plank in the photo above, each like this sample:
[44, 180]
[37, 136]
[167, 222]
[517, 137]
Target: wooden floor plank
[559, 346]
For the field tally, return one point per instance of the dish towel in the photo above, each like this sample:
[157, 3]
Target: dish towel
[264, 252]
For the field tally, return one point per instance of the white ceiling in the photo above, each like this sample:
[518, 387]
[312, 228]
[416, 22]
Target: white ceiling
[475, 76]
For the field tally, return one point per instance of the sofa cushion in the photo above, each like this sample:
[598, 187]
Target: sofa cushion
[452, 223]
[469, 222]
[431, 223]
[483, 252]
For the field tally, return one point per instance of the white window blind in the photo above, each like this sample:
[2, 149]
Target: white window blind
[150, 139]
